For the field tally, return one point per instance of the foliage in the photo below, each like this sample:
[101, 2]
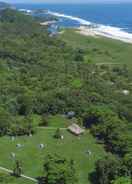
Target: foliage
[40, 74]
[22, 126]
[108, 127]
[128, 163]
[122, 180]
[8, 179]
[44, 121]
[5, 121]
[59, 170]
[58, 134]
[107, 170]
[17, 169]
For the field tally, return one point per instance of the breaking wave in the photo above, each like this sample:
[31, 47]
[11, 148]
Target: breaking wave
[80, 20]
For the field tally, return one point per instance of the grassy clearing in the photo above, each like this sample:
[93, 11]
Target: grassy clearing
[99, 49]
[58, 121]
[12, 180]
[32, 156]
[77, 83]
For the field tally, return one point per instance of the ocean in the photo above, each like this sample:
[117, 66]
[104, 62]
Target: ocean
[115, 15]
[111, 20]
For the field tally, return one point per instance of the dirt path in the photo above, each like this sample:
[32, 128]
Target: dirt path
[51, 128]
[23, 176]
[107, 63]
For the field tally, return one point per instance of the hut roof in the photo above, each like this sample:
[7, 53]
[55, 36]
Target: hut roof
[75, 129]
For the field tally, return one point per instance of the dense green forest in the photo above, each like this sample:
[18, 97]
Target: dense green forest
[42, 75]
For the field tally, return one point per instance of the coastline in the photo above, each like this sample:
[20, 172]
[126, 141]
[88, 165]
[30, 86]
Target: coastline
[88, 28]
[48, 23]
[91, 29]
[110, 32]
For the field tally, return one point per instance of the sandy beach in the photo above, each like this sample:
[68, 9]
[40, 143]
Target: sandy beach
[47, 23]
[106, 31]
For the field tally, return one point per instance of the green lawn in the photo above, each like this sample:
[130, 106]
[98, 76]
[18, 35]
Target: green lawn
[77, 83]
[99, 49]
[12, 180]
[58, 121]
[32, 157]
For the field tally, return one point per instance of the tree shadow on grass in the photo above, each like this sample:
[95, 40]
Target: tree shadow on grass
[92, 178]
[41, 180]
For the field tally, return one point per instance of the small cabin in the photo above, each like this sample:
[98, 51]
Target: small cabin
[75, 129]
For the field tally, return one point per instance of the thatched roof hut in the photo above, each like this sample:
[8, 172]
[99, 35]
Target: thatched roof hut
[75, 129]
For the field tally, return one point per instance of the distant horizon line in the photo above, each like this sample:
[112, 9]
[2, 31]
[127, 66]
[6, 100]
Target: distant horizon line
[127, 2]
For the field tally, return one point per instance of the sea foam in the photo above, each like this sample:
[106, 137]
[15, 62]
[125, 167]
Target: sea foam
[80, 20]
[25, 10]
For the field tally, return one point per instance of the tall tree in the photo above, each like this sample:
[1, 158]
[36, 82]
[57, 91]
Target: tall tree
[59, 170]
[5, 121]
[17, 169]
[58, 134]
[107, 169]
